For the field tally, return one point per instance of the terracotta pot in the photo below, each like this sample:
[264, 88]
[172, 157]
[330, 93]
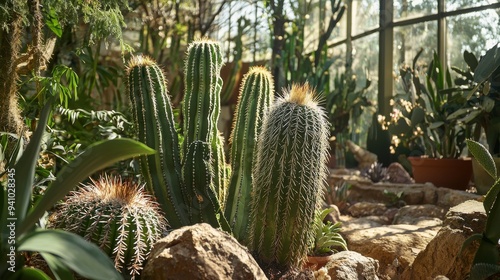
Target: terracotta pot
[317, 262]
[445, 172]
[482, 180]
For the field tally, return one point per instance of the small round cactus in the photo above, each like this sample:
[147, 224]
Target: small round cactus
[116, 215]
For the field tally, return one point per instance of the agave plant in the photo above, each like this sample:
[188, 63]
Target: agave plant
[116, 215]
[375, 172]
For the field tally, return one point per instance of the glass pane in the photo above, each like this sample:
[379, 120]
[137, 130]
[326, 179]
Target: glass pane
[475, 32]
[365, 15]
[414, 8]
[452, 5]
[365, 67]
[408, 40]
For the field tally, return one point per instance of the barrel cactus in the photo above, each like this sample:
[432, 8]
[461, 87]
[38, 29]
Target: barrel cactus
[256, 95]
[116, 215]
[289, 178]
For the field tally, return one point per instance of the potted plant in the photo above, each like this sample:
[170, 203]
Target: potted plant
[481, 85]
[424, 126]
[325, 242]
[344, 105]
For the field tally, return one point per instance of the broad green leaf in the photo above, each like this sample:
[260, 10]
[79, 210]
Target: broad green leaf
[28, 273]
[97, 156]
[471, 60]
[73, 251]
[491, 196]
[25, 167]
[469, 240]
[483, 157]
[487, 65]
[60, 271]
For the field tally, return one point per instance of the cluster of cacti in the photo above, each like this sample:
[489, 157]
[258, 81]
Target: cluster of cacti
[289, 176]
[284, 181]
[117, 216]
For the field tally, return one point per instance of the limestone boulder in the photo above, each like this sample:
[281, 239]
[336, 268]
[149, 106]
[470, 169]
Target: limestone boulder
[442, 255]
[393, 246]
[351, 265]
[200, 252]
[423, 215]
[362, 209]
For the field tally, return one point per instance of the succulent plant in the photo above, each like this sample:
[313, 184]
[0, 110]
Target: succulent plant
[116, 215]
[256, 95]
[289, 177]
[174, 181]
[327, 238]
[375, 172]
[154, 119]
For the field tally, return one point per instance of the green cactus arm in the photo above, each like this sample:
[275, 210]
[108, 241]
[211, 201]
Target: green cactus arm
[256, 95]
[221, 170]
[204, 204]
[154, 121]
[201, 106]
[289, 177]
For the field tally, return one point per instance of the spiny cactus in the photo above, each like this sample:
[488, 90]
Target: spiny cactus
[117, 216]
[176, 187]
[256, 95]
[289, 178]
[154, 121]
[201, 106]
[376, 172]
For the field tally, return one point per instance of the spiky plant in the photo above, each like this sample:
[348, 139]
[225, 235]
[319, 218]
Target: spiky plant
[182, 196]
[116, 215]
[154, 121]
[289, 178]
[256, 95]
[376, 172]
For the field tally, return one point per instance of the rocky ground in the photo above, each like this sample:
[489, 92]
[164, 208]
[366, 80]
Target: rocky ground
[393, 231]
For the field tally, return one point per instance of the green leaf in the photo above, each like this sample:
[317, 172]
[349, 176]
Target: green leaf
[73, 251]
[25, 167]
[483, 157]
[471, 60]
[60, 271]
[491, 196]
[487, 65]
[28, 273]
[52, 22]
[482, 271]
[94, 158]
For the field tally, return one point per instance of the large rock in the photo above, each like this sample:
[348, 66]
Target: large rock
[200, 252]
[442, 254]
[421, 215]
[350, 265]
[394, 246]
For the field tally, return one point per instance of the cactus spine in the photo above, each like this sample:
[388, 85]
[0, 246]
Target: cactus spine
[256, 95]
[117, 216]
[289, 176]
[154, 120]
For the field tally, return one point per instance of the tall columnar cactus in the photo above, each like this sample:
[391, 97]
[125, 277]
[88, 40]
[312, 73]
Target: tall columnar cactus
[201, 106]
[154, 121]
[289, 176]
[191, 193]
[117, 216]
[256, 95]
